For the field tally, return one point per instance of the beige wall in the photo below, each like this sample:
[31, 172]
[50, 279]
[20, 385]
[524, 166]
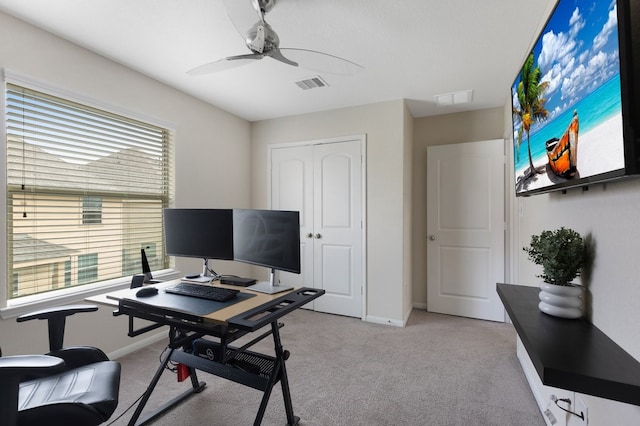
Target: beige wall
[385, 126]
[407, 256]
[609, 214]
[440, 130]
[210, 143]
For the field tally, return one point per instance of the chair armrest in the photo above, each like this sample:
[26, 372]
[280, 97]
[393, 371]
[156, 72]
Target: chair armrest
[57, 311]
[56, 317]
[19, 365]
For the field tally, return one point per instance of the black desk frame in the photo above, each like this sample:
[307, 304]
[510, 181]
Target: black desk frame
[238, 364]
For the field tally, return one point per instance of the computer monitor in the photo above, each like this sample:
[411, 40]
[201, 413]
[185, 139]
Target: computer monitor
[201, 233]
[269, 238]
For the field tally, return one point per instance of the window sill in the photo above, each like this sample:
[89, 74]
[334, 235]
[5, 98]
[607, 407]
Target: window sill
[35, 302]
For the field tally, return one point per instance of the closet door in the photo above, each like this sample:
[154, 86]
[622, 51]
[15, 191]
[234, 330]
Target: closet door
[292, 189]
[324, 182]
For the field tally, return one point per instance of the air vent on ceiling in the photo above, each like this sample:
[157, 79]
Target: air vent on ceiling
[454, 98]
[311, 83]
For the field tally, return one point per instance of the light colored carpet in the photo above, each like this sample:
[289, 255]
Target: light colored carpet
[438, 370]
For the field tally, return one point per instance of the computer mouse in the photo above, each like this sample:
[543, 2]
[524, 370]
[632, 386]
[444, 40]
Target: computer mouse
[146, 292]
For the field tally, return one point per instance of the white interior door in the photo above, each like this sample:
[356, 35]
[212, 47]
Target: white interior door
[324, 182]
[292, 189]
[466, 228]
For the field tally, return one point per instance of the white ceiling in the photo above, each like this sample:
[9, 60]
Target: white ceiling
[410, 49]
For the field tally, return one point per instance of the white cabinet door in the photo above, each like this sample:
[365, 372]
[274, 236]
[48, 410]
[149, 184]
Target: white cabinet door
[324, 182]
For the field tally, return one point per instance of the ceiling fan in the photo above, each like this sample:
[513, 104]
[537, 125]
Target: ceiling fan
[263, 42]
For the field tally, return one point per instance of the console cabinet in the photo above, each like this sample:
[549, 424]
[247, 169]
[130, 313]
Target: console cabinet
[571, 354]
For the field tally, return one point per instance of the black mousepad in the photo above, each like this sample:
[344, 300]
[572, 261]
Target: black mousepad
[189, 304]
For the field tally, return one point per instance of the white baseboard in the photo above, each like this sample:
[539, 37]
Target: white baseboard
[137, 345]
[385, 321]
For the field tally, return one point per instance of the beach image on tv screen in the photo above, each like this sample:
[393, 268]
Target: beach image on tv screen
[567, 116]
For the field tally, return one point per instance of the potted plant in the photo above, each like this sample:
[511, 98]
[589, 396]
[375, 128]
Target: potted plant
[562, 254]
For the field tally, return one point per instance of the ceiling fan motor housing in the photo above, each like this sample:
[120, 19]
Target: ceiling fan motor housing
[261, 38]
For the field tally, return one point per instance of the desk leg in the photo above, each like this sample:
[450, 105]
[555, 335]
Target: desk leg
[279, 372]
[284, 380]
[196, 387]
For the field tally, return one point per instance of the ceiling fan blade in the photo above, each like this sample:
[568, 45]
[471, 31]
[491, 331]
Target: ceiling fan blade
[243, 14]
[277, 55]
[321, 62]
[224, 64]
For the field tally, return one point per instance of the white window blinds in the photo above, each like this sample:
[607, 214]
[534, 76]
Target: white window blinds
[85, 192]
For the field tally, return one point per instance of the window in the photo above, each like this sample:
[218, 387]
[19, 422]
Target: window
[131, 258]
[84, 187]
[87, 268]
[91, 210]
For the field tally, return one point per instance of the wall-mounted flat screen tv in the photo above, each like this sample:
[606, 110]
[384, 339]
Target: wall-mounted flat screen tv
[576, 98]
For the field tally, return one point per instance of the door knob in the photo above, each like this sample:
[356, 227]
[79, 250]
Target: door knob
[432, 237]
[309, 235]
[317, 236]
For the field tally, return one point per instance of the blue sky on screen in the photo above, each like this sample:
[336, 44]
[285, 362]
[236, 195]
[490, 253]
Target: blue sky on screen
[577, 52]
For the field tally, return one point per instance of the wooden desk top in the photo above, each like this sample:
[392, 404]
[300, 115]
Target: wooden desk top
[219, 316]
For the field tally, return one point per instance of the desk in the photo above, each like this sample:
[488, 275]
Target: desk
[188, 346]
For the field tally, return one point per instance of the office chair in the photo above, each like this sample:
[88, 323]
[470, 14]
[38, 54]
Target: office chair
[68, 386]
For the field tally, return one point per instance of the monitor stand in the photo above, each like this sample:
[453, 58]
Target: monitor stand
[207, 275]
[270, 287]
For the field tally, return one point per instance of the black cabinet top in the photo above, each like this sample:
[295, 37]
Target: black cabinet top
[571, 354]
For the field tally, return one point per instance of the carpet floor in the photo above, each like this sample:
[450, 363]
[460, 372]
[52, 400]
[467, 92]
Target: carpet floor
[438, 370]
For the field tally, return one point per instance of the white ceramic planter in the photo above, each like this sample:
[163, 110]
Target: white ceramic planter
[560, 300]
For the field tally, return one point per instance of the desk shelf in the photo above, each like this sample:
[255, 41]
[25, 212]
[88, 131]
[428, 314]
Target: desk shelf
[258, 379]
[571, 354]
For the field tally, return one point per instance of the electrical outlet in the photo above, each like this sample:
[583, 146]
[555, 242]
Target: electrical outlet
[581, 407]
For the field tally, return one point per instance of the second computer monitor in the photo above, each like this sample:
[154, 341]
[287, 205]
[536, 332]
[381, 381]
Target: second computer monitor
[269, 238]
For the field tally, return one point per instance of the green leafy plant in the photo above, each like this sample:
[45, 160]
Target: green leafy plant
[562, 253]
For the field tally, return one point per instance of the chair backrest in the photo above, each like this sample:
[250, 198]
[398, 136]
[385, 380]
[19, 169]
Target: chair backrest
[82, 384]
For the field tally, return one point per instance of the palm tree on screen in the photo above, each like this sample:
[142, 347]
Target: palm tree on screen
[531, 108]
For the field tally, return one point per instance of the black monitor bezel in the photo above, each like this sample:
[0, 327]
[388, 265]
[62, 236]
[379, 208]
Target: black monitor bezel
[293, 221]
[212, 228]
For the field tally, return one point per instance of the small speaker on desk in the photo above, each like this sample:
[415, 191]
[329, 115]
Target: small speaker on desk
[241, 282]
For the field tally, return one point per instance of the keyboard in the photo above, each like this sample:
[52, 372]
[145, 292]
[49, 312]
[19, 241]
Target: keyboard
[217, 294]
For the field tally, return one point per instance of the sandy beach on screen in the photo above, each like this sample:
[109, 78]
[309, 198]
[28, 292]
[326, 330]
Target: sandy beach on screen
[595, 155]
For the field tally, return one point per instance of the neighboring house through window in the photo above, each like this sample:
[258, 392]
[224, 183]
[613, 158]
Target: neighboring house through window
[85, 191]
